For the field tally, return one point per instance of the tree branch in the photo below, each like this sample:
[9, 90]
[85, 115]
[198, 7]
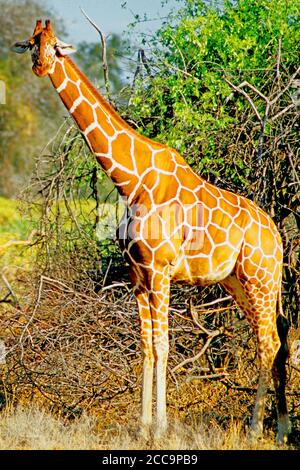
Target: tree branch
[104, 56]
[18, 242]
[242, 92]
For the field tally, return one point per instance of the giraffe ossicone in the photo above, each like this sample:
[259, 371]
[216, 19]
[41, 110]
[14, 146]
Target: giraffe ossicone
[177, 227]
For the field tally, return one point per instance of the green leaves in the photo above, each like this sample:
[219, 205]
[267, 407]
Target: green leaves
[188, 104]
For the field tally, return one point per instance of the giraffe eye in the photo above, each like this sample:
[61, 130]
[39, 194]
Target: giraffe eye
[35, 53]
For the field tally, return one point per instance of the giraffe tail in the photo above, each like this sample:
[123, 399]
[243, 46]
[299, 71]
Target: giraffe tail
[280, 374]
[283, 324]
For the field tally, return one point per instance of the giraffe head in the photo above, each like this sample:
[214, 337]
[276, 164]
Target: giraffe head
[44, 47]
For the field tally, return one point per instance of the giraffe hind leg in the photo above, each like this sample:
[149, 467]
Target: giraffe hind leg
[262, 318]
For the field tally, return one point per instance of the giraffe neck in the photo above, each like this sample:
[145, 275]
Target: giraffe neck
[122, 152]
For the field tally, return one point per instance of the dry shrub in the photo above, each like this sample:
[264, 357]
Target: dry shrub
[75, 351]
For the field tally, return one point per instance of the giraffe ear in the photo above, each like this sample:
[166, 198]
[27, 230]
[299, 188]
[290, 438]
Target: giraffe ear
[63, 48]
[21, 47]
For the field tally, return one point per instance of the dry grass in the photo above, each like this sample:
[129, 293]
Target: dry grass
[33, 428]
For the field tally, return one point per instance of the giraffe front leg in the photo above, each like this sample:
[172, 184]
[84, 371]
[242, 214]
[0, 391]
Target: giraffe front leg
[161, 356]
[147, 381]
[159, 303]
[148, 361]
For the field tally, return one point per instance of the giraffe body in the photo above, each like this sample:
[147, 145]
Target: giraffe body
[178, 228]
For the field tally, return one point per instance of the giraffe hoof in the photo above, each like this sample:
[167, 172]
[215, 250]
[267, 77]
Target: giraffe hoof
[255, 433]
[282, 439]
[144, 432]
[160, 432]
[284, 429]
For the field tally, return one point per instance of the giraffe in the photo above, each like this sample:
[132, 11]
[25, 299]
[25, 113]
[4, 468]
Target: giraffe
[178, 228]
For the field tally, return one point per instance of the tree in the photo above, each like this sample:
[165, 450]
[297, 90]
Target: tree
[31, 112]
[224, 91]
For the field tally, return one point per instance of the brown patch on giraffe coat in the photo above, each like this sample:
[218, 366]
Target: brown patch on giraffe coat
[248, 268]
[231, 197]
[235, 235]
[142, 154]
[126, 182]
[210, 200]
[252, 235]
[106, 162]
[70, 94]
[162, 161]
[121, 148]
[151, 180]
[213, 189]
[228, 208]
[188, 178]
[219, 254]
[264, 219]
[86, 92]
[97, 140]
[219, 236]
[59, 76]
[267, 242]
[247, 251]
[207, 246]
[140, 252]
[221, 219]
[144, 201]
[166, 189]
[164, 252]
[187, 196]
[103, 122]
[85, 112]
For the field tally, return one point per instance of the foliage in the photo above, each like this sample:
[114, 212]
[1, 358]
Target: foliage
[186, 103]
[12, 222]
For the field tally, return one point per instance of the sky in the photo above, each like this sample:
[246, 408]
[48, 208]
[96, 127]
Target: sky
[108, 15]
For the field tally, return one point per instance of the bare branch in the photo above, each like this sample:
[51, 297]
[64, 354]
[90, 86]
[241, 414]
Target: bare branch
[278, 59]
[283, 111]
[209, 376]
[200, 353]
[10, 243]
[253, 88]
[213, 302]
[104, 55]
[10, 289]
[242, 92]
[290, 82]
[290, 153]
